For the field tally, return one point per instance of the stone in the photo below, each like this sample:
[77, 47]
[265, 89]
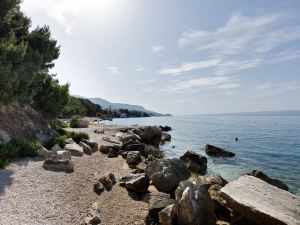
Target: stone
[141, 167]
[137, 131]
[129, 142]
[94, 209]
[43, 152]
[165, 137]
[62, 156]
[54, 165]
[157, 202]
[86, 148]
[208, 180]
[133, 158]
[135, 147]
[110, 140]
[151, 135]
[56, 148]
[168, 216]
[277, 183]
[108, 181]
[93, 144]
[82, 123]
[112, 153]
[105, 148]
[195, 162]
[195, 207]
[166, 174]
[124, 154]
[126, 137]
[75, 149]
[261, 202]
[92, 220]
[152, 189]
[217, 152]
[135, 182]
[98, 188]
[165, 128]
[69, 141]
[152, 151]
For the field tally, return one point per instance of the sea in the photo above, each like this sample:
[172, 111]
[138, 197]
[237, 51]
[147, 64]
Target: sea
[267, 143]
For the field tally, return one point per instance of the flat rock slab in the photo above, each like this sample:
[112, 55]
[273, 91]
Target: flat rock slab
[261, 202]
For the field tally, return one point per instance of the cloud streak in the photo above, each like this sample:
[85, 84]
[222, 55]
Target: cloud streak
[157, 49]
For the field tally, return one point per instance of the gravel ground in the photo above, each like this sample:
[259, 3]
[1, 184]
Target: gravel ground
[30, 195]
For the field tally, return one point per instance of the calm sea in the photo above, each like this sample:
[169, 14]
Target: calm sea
[270, 144]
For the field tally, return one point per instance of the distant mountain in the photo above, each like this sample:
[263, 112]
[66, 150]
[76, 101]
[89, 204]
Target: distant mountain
[264, 113]
[106, 105]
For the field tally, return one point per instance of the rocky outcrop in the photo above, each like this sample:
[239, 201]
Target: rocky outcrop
[195, 162]
[81, 123]
[17, 120]
[133, 158]
[277, 183]
[55, 165]
[165, 137]
[75, 149]
[157, 202]
[108, 181]
[217, 152]
[151, 135]
[135, 182]
[165, 128]
[166, 174]
[261, 202]
[195, 207]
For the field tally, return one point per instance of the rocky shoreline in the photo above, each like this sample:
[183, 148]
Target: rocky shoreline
[171, 191]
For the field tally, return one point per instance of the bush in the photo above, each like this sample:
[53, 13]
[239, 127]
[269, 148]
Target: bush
[73, 120]
[77, 137]
[16, 149]
[60, 140]
[58, 126]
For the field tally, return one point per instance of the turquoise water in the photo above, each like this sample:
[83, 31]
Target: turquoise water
[270, 144]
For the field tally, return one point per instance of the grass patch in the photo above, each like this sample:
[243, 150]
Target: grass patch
[16, 149]
[77, 136]
[60, 140]
[73, 120]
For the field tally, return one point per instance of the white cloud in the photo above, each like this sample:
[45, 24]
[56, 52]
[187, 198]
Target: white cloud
[158, 48]
[139, 69]
[114, 70]
[144, 81]
[270, 88]
[221, 82]
[244, 42]
[189, 66]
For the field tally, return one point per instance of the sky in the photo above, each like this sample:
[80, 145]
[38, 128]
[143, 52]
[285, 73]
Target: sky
[178, 56]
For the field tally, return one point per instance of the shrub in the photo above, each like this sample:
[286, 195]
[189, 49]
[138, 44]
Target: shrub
[58, 126]
[16, 149]
[60, 140]
[73, 120]
[77, 137]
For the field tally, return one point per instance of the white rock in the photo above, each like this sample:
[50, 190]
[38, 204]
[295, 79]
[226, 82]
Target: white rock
[75, 149]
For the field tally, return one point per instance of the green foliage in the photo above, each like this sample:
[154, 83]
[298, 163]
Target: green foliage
[78, 136]
[59, 126]
[16, 149]
[25, 59]
[73, 120]
[60, 140]
[80, 106]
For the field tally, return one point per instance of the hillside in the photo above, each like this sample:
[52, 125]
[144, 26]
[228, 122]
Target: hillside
[106, 105]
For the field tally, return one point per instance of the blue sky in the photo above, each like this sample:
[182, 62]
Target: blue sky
[179, 57]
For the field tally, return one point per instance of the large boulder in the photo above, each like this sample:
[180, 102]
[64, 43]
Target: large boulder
[55, 165]
[195, 162]
[135, 182]
[86, 148]
[260, 202]
[208, 180]
[152, 151]
[168, 216]
[269, 180]
[195, 207]
[93, 144]
[43, 152]
[217, 152]
[62, 156]
[165, 137]
[75, 149]
[81, 123]
[133, 158]
[157, 202]
[166, 174]
[151, 135]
